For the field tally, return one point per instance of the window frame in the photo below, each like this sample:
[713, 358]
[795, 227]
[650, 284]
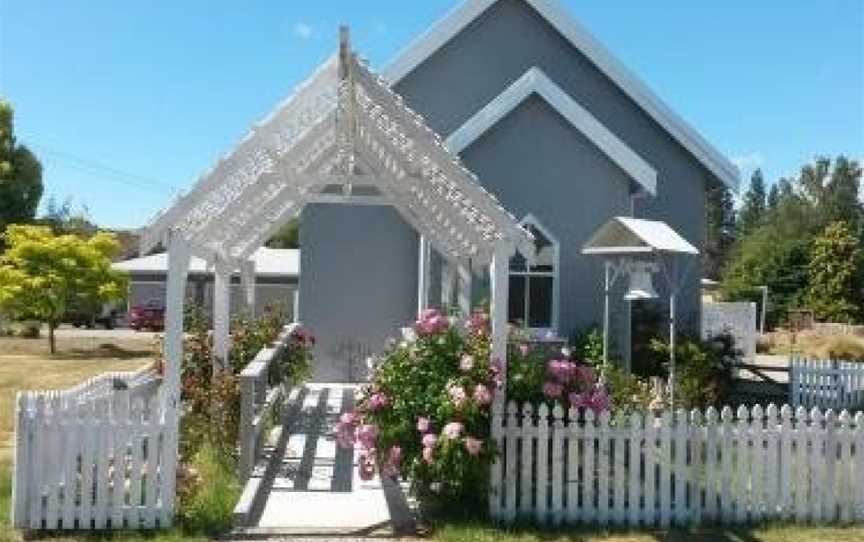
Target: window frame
[555, 274]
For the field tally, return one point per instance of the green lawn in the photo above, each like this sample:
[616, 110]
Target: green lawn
[769, 533]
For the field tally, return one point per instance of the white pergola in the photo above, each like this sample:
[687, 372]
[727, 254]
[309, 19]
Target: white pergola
[343, 137]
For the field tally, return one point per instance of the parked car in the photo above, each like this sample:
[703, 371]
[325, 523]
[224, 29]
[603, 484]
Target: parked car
[150, 315]
[80, 317]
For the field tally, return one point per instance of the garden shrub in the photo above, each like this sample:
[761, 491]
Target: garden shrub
[703, 369]
[426, 413]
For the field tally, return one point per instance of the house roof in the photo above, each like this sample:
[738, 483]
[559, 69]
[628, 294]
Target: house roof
[624, 235]
[269, 262]
[535, 81]
[454, 22]
[343, 127]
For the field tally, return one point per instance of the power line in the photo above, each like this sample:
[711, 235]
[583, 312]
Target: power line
[91, 166]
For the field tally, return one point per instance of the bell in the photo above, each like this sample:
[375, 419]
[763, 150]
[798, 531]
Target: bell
[640, 282]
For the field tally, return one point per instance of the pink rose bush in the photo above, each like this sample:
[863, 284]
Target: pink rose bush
[425, 414]
[535, 374]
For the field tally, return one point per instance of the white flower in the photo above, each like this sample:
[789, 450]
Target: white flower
[566, 352]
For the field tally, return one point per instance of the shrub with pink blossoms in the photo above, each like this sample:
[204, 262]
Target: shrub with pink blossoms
[425, 414]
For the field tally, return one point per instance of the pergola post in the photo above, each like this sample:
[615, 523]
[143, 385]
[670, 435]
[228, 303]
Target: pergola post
[247, 278]
[221, 315]
[447, 278]
[423, 275]
[498, 273]
[178, 270]
[463, 273]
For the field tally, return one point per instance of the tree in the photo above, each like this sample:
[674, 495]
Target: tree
[64, 219]
[834, 272]
[720, 234]
[773, 198]
[42, 274]
[833, 189]
[288, 236]
[753, 208]
[20, 174]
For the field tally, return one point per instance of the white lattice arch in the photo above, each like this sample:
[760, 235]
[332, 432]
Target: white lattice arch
[346, 137]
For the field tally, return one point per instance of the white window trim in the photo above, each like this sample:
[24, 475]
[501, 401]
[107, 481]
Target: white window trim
[555, 274]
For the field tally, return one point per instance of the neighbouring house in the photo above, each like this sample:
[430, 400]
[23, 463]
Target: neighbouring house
[562, 133]
[276, 277]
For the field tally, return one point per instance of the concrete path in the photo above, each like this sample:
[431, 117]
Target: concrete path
[316, 489]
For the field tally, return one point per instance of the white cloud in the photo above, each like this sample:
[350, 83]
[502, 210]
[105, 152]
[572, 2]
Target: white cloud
[303, 31]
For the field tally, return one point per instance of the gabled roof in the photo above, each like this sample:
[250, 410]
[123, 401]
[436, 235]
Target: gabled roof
[624, 235]
[269, 262]
[454, 22]
[342, 127]
[534, 81]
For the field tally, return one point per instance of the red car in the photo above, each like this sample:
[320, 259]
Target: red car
[148, 316]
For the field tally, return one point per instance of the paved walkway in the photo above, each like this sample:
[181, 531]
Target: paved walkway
[316, 489]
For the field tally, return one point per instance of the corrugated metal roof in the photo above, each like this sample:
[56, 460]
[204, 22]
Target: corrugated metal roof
[625, 235]
[271, 262]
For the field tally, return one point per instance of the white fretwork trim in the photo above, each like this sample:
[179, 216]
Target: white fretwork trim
[304, 147]
[439, 34]
[534, 81]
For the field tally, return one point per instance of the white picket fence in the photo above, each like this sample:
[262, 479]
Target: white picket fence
[682, 469]
[92, 461]
[826, 384]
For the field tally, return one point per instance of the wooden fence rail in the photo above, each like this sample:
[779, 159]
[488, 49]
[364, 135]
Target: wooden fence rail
[260, 398]
[826, 384]
[575, 467]
[91, 463]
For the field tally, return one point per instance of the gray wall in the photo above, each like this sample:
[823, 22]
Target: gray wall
[498, 48]
[532, 160]
[358, 285]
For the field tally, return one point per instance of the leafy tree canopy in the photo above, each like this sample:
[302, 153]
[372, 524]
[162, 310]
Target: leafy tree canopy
[834, 272]
[288, 236]
[20, 174]
[43, 274]
[753, 209]
[785, 249]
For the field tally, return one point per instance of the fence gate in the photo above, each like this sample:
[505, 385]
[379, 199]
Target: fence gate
[92, 461]
[826, 383]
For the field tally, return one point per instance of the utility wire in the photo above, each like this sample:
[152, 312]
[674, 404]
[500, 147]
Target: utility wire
[90, 166]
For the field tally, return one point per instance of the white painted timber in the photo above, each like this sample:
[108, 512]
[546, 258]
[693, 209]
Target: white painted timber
[761, 464]
[98, 479]
[535, 82]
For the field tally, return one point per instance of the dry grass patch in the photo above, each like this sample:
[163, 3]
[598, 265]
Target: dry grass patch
[816, 345]
[25, 364]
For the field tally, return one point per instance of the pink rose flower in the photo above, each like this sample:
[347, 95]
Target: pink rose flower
[466, 363]
[423, 424]
[366, 468]
[523, 349]
[478, 324]
[428, 455]
[431, 322]
[457, 395]
[429, 440]
[552, 389]
[378, 401]
[473, 445]
[453, 430]
[482, 395]
[366, 435]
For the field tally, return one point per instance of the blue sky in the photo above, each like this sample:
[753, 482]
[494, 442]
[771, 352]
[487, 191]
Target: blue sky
[126, 103]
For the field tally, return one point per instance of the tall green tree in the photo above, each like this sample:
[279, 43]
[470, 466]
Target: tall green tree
[42, 274]
[833, 188]
[753, 208]
[20, 174]
[720, 230]
[834, 273]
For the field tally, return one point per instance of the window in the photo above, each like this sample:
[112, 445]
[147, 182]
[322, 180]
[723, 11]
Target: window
[533, 297]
